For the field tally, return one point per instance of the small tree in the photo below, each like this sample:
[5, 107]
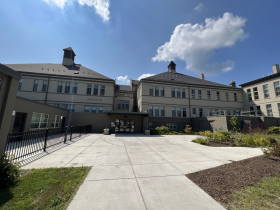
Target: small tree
[234, 122]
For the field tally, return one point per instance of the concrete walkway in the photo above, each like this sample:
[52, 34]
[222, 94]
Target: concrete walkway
[141, 172]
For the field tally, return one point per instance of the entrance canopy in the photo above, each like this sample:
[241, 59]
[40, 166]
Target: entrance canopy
[144, 114]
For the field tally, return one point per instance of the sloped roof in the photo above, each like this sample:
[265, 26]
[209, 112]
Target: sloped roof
[11, 72]
[185, 79]
[58, 69]
[123, 87]
[260, 80]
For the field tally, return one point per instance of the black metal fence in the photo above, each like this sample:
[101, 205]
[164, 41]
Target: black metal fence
[25, 144]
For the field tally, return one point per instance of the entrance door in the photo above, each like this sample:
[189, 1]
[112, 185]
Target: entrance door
[19, 122]
[124, 126]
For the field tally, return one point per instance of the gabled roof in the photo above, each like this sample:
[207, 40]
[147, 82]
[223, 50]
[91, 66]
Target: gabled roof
[260, 80]
[12, 73]
[58, 69]
[123, 87]
[184, 79]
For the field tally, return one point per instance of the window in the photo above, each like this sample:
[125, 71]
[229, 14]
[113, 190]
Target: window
[218, 95]
[259, 111]
[72, 108]
[183, 93]
[57, 105]
[199, 94]
[93, 109]
[157, 91]
[151, 110]
[100, 109]
[162, 91]
[193, 94]
[126, 105]
[102, 90]
[277, 88]
[20, 84]
[184, 112]
[119, 105]
[251, 108]
[67, 87]
[89, 86]
[235, 96]
[60, 87]
[151, 125]
[173, 111]
[75, 88]
[35, 86]
[178, 112]
[266, 91]
[162, 111]
[208, 95]
[95, 90]
[55, 121]
[279, 109]
[249, 94]
[171, 126]
[256, 94]
[39, 120]
[178, 93]
[156, 111]
[227, 96]
[45, 86]
[64, 106]
[122, 105]
[194, 111]
[151, 92]
[200, 112]
[86, 109]
[269, 110]
[172, 92]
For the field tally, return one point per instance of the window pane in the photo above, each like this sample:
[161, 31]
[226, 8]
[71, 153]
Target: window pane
[178, 112]
[151, 92]
[35, 118]
[89, 89]
[151, 110]
[95, 92]
[86, 109]
[266, 91]
[119, 105]
[162, 110]
[102, 90]
[218, 95]
[256, 94]
[127, 105]
[100, 109]
[156, 91]
[173, 112]
[249, 95]
[172, 92]
[193, 94]
[183, 93]
[199, 94]
[208, 95]
[184, 112]
[93, 109]
[162, 91]
[178, 93]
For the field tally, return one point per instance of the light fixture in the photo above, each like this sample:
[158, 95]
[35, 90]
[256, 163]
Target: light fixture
[61, 117]
[14, 113]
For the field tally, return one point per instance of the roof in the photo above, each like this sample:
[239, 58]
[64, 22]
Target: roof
[185, 79]
[123, 87]
[70, 49]
[261, 79]
[58, 69]
[6, 70]
[135, 82]
[127, 113]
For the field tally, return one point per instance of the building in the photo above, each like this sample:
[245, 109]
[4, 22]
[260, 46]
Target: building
[71, 94]
[262, 96]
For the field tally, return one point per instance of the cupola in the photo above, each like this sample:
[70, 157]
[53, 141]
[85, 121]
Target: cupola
[172, 67]
[68, 57]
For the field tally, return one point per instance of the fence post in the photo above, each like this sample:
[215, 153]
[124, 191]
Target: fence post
[71, 133]
[65, 137]
[46, 138]
[80, 131]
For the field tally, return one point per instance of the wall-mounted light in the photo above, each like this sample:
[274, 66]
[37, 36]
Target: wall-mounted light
[61, 117]
[14, 113]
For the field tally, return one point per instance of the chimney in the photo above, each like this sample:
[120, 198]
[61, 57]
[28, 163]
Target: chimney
[172, 67]
[201, 76]
[275, 68]
[232, 84]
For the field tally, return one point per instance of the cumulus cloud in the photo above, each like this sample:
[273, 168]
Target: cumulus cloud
[123, 80]
[198, 7]
[101, 6]
[144, 76]
[196, 44]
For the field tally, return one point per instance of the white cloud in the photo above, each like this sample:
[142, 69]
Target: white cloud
[196, 44]
[123, 80]
[144, 76]
[101, 6]
[198, 7]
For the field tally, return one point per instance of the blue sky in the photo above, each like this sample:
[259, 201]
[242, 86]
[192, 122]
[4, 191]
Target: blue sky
[239, 42]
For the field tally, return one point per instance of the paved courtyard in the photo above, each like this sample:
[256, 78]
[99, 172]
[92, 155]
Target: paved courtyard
[133, 171]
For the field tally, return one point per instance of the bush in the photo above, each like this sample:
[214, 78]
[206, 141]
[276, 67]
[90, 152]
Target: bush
[208, 134]
[225, 133]
[162, 130]
[273, 150]
[201, 141]
[274, 129]
[234, 122]
[9, 171]
[262, 142]
[220, 136]
[188, 129]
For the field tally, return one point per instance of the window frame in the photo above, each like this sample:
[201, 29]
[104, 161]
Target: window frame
[60, 87]
[100, 109]
[162, 91]
[45, 86]
[151, 90]
[184, 112]
[86, 110]
[179, 113]
[178, 92]
[75, 88]
[227, 96]
[72, 108]
[268, 110]
[208, 95]
[173, 94]
[20, 84]
[102, 90]
[266, 91]
[93, 109]
[40, 122]
[235, 96]
[218, 95]
[53, 124]
[162, 111]
[156, 90]
[199, 94]
[95, 90]
[89, 89]
[67, 87]
[151, 110]
[35, 85]
[193, 93]
[277, 88]
[194, 111]
[256, 93]
[156, 111]
[249, 94]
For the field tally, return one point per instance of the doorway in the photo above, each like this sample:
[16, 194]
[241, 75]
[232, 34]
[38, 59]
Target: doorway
[19, 122]
[124, 126]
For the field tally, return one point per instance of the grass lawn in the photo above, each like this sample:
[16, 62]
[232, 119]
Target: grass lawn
[265, 194]
[51, 188]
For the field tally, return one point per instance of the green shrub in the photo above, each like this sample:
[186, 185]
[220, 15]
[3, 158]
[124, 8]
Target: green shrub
[274, 129]
[9, 171]
[201, 141]
[225, 133]
[208, 134]
[273, 150]
[234, 122]
[248, 140]
[162, 130]
[188, 129]
[262, 142]
[220, 136]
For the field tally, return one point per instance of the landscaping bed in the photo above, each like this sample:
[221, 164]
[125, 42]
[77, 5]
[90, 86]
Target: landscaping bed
[51, 188]
[229, 183]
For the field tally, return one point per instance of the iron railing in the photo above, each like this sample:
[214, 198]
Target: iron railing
[25, 144]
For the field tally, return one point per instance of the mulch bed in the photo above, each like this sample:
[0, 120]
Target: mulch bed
[217, 144]
[220, 182]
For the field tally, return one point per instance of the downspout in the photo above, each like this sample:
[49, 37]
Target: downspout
[190, 105]
[47, 90]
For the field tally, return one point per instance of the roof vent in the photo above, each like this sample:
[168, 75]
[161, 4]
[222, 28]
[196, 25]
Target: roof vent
[76, 72]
